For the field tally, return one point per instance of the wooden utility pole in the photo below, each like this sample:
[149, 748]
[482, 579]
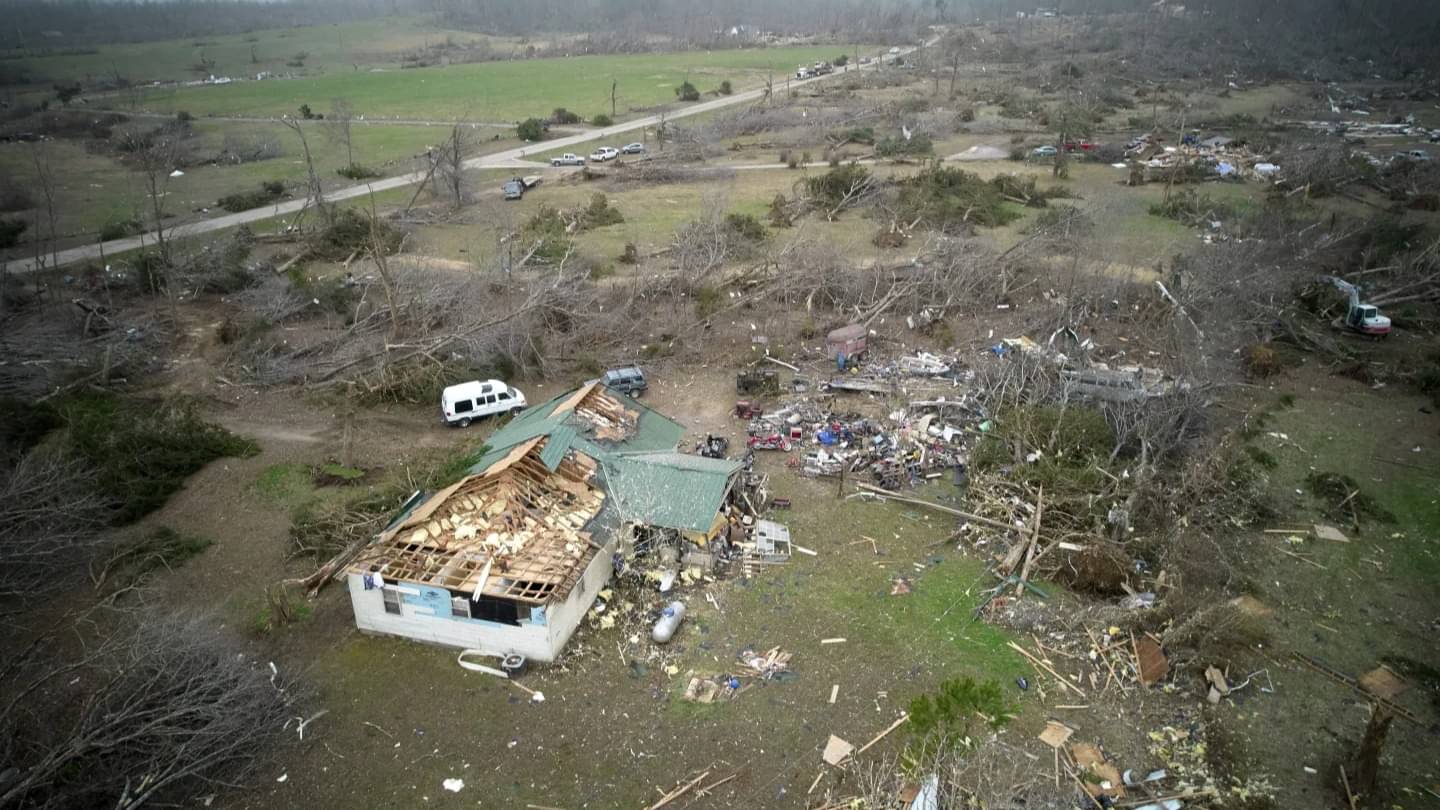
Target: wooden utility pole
[614, 83]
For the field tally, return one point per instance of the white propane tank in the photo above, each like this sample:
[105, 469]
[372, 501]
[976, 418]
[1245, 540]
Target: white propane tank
[670, 619]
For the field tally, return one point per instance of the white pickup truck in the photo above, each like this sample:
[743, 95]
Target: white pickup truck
[568, 159]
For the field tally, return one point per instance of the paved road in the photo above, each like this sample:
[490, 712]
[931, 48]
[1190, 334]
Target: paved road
[507, 159]
[360, 121]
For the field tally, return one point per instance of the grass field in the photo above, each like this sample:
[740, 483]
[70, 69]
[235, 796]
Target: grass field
[497, 91]
[330, 49]
[95, 189]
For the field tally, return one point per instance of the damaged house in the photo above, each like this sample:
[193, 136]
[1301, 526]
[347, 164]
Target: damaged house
[509, 559]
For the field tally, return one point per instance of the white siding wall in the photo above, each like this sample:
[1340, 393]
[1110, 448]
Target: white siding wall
[563, 618]
[536, 642]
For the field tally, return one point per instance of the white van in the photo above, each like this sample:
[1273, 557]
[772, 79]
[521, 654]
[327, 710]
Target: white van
[464, 403]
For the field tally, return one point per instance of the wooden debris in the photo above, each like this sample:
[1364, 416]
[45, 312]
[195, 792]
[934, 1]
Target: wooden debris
[1105, 776]
[1151, 662]
[882, 735]
[832, 641]
[1323, 532]
[1384, 683]
[705, 791]
[1219, 686]
[514, 532]
[1044, 667]
[836, 751]
[678, 792]
[834, 693]
[895, 496]
[1340, 677]
[1250, 606]
[1055, 733]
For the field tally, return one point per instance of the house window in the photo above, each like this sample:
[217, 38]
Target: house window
[392, 600]
[502, 611]
[464, 406]
[459, 607]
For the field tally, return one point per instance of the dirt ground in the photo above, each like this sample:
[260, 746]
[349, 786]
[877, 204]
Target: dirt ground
[613, 732]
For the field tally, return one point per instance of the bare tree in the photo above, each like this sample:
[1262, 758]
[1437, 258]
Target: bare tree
[45, 179]
[51, 521]
[339, 125]
[156, 154]
[315, 193]
[448, 164]
[155, 713]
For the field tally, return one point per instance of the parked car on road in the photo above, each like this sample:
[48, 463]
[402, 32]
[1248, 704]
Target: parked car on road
[1044, 152]
[633, 149]
[464, 403]
[568, 159]
[603, 154]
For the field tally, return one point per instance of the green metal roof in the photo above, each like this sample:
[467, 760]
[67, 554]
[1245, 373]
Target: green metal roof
[556, 446]
[648, 481]
[668, 489]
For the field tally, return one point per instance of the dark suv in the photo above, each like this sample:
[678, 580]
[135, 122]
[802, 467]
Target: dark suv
[628, 380]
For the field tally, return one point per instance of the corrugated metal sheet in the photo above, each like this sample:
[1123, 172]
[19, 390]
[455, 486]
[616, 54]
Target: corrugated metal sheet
[556, 446]
[672, 490]
[647, 480]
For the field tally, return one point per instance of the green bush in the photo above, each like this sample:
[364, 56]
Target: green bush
[23, 425]
[563, 116]
[119, 229]
[830, 188]
[708, 301]
[745, 226]
[145, 450]
[687, 92]
[356, 171]
[900, 147]
[132, 559]
[912, 105]
[547, 227]
[602, 120]
[952, 717]
[245, 200]
[350, 232]
[10, 230]
[1190, 208]
[948, 198]
[531, 129]
[1024, 187]
[865, 135]
[842, 60]
[725, 88]
[599, 213]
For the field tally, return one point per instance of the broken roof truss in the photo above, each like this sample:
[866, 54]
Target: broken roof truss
[515, 531]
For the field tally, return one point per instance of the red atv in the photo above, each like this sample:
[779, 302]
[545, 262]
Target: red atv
[772, 441]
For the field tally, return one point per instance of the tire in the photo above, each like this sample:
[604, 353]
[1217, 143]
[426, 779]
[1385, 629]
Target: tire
[464, 423]
[515, 411]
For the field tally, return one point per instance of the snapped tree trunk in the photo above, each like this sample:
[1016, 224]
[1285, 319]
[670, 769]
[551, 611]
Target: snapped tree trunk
[1367, 759]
